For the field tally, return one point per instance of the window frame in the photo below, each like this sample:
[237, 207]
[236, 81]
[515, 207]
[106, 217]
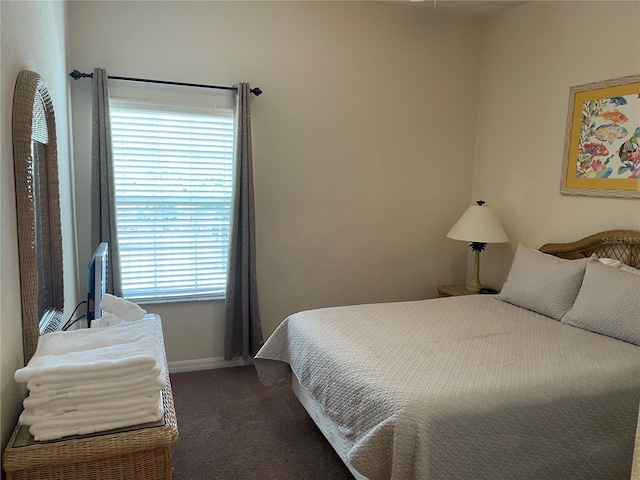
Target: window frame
[220, 111]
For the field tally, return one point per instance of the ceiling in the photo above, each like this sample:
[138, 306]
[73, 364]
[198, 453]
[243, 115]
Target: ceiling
[479, 8]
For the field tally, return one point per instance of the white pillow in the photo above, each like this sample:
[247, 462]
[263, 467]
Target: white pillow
[612, 262]
[543, 283]
[608, 303]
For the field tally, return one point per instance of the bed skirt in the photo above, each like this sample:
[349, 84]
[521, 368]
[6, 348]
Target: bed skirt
[328, 428]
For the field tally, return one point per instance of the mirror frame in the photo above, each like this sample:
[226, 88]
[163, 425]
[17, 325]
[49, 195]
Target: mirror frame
[34, 121]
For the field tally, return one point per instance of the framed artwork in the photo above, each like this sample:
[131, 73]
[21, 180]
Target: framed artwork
[602, 143]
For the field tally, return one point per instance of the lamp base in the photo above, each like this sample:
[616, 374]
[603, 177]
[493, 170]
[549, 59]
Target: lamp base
[473, 287]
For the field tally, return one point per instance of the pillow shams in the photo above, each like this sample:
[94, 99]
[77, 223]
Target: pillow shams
[612, 262]
[608, 303]
[543, 283]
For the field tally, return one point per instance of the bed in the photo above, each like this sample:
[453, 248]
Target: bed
[539, 382]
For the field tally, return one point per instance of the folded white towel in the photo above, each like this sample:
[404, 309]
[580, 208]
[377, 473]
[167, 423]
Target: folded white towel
[98, 363]
[59, 343]
[107, 320]
[126, 310]
[145, 405]
[41, 434]
[87, 389]
[104, 408]
[64, 382]
[39, 401]
[83, 353]
[51, 430]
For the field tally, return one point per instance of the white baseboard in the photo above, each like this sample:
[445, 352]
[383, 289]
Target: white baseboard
[206, 364]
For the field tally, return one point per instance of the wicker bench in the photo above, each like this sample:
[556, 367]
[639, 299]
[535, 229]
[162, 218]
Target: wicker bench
[140, 452]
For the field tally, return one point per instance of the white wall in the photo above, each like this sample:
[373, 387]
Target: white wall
[363, 140]
[33, 38]
[531, 56]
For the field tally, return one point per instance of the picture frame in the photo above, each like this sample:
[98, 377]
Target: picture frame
[602, 140]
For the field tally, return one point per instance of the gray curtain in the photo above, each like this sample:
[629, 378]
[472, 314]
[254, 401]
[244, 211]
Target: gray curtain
[103, 198]
[243, 332]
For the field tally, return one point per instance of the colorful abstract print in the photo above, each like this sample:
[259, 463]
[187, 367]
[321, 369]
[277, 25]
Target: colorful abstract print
[610, 138]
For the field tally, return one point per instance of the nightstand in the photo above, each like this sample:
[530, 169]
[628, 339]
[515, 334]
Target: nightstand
[455, 291]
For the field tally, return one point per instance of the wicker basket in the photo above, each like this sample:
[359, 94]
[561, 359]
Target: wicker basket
[141, 452]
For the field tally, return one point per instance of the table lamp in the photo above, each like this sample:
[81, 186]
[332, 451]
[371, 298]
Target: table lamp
[479, 226]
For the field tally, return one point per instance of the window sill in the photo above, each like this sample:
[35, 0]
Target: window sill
[164, 300]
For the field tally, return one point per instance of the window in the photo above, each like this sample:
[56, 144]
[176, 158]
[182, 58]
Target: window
[173, 175]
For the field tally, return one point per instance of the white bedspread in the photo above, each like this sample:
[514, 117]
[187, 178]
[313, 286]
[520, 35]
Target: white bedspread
[464, 388]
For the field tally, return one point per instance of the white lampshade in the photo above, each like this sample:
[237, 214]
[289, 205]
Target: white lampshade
[478, 224]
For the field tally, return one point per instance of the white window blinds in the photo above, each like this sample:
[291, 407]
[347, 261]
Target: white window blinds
[173, 175]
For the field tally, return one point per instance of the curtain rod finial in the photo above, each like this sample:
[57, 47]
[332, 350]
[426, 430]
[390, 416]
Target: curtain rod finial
[76, 75]
[256, 91]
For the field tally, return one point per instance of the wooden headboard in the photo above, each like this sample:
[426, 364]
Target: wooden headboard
[623, 245]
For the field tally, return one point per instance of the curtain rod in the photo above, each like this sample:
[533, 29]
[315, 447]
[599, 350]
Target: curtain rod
[76, 75]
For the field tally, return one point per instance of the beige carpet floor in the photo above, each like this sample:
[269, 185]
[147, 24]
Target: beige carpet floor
[234, 428]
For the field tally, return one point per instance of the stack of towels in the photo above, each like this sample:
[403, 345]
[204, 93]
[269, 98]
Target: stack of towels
[91, 380]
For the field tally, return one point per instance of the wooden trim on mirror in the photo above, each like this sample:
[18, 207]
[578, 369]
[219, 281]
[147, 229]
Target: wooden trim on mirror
[35, 156]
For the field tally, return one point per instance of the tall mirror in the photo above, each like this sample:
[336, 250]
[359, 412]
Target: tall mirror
[35, 159]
